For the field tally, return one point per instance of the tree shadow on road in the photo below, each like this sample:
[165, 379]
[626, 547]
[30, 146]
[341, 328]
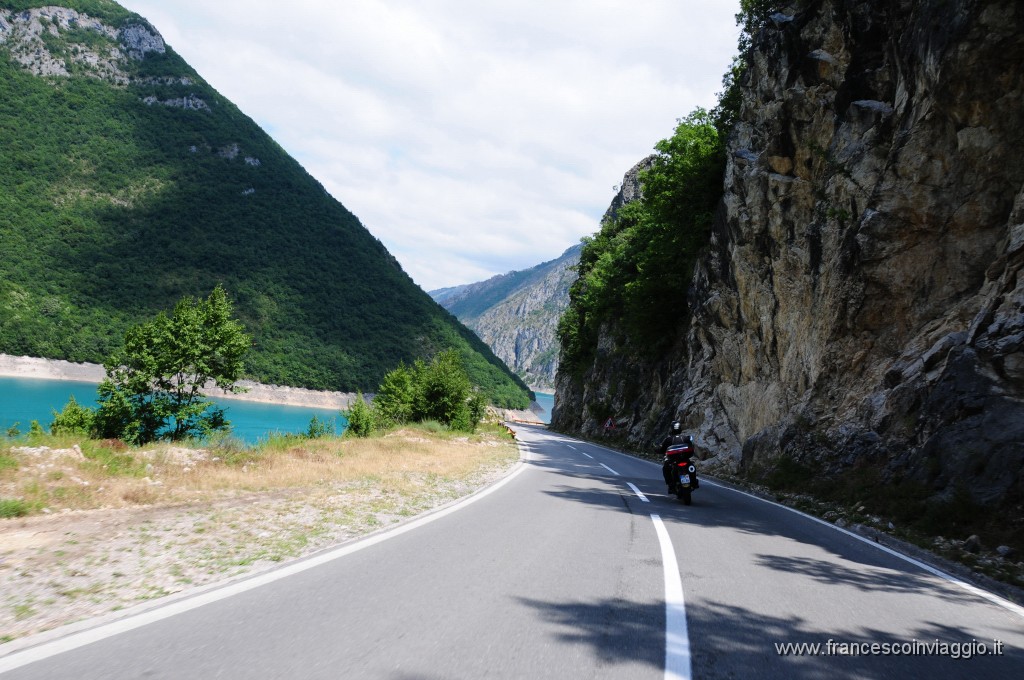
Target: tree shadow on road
[734, 642]
[617, 631]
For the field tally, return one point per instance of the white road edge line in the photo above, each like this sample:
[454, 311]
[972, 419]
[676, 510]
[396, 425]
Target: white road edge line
[638, 492]
[991, 597]
[677, 637]
[609, 469]
[72, 641]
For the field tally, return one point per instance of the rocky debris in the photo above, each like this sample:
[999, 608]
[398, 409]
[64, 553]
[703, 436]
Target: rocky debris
[229, 152]
[46, 453]
[189, 102]
[972, 544]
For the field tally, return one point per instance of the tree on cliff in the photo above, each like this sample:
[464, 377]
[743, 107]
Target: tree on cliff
[152, 388]
[635, 272]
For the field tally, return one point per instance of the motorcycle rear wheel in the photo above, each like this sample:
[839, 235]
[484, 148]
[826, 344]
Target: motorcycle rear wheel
[684, 494]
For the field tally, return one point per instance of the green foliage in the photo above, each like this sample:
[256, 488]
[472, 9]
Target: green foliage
[107, 10]
[73, 419]
[153, 384]
[13, 507]
[112, 209]
[441, 390]
[362, 421]
[319, 428]
[8, 462]
[395, 398]
[114, 463]
[636, 270]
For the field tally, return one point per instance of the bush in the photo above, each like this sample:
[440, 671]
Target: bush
[362, 421]
[13, 507]
[74, 419]
[319, 428]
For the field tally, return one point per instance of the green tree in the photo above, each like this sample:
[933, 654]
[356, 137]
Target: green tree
[73, 419]
[318, 428]
[153, 384]
[635, 272]
[362, 421]
[396, 397]
[442, 390]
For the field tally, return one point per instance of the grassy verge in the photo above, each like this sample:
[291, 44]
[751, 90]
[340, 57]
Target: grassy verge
[95, 527]
[51, 474]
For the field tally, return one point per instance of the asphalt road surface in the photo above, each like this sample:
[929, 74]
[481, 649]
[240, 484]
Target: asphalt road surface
[576, 566]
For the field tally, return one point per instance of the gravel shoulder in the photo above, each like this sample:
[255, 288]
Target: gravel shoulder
[71, 565]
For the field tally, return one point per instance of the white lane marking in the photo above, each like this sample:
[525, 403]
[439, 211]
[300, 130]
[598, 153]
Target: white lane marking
[637, 492]
[991, 597]
[608, 469]
[75, 640]
[677, 637]
[581, 452]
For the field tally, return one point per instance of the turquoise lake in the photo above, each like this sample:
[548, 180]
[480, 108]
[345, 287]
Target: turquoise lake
[546, 402]
[23, 400]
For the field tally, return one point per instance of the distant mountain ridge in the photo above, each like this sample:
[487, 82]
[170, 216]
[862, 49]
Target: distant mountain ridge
[517, 314]
[127, 182]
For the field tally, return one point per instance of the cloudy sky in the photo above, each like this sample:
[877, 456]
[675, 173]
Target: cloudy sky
[471, 137]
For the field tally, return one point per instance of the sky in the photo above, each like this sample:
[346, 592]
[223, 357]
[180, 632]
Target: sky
[472, 137]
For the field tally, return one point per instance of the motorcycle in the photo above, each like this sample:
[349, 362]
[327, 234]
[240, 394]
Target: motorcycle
[682, 471]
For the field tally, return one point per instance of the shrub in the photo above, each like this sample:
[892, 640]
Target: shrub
[73, 419]
[319, 428]
[361, 418]
[13, 507]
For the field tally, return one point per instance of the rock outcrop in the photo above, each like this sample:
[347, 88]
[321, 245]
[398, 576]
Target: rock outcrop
[862, 297]
[516, 315]
[39, 40]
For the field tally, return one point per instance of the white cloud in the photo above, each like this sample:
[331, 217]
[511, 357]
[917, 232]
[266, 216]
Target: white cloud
[471, 138]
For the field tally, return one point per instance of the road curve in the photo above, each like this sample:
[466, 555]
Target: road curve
[561, 573]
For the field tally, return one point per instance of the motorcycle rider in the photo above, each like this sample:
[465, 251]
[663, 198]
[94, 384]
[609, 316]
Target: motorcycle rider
[675, 437]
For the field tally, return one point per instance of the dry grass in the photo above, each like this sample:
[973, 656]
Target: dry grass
[108, 526]
[74, 475]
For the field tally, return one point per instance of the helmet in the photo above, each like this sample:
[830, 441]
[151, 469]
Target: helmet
[676, 427]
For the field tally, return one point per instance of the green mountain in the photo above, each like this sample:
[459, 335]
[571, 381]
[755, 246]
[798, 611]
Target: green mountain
[126, 182]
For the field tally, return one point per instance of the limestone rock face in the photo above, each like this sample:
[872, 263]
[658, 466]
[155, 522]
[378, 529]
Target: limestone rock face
[38, 39]
[862, 297]
[517, 314]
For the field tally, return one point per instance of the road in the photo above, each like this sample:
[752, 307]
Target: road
[576, 566]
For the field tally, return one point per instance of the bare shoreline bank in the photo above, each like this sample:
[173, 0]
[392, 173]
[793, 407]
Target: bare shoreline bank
[58, 369]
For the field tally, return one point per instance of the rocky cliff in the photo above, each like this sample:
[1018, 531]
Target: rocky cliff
[861, 301]
[516, 315]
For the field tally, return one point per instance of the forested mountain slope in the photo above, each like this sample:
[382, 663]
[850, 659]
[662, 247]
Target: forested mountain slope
[517, 314]
[127, 182]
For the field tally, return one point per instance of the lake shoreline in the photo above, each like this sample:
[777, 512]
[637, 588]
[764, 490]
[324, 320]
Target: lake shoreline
[58, 369]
